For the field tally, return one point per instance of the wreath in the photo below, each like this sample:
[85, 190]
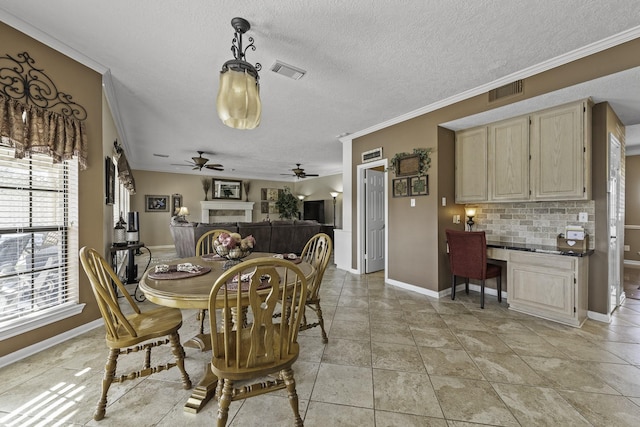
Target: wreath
[424, 159]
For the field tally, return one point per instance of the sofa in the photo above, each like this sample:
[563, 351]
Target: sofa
[284, 236]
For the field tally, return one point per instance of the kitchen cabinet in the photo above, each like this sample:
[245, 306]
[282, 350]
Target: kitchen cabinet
[560, 150]
[552, 287]
[471, 165]
[509, 160]
[542, 156]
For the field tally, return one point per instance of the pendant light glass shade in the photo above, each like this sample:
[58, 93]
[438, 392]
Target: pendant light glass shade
[238, 102]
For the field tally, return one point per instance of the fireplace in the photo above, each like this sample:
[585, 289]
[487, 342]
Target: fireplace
[226, 211]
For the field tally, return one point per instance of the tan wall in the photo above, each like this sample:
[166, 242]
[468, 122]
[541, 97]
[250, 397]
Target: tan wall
[85, 86]
[424, 225]
[632, 208]
[154, 226]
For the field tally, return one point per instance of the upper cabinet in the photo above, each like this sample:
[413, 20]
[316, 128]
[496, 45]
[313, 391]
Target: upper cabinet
[560, 148]
[471, 165]
[541, 156]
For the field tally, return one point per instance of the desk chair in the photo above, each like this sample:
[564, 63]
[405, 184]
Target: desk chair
[204, 246]
[468, 259]
[316, 252]
[130, 333]
[263, 347]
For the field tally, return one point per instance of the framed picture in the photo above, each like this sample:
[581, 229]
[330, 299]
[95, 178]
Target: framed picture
[268, 207]
[156, 203]
[409, 165]
[270, 194]
[400, 187]
[176, 203]
[419, 185]
[110, 181]
[227, 189]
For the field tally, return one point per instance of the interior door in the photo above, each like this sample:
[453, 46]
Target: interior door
[615, 224]
[374, 220]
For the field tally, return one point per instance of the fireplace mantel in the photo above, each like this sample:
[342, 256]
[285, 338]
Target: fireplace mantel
[218, 205]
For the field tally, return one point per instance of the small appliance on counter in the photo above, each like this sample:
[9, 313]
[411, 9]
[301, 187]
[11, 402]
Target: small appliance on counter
[574, 239]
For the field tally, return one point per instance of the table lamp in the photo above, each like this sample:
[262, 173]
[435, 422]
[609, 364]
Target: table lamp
[182, 213]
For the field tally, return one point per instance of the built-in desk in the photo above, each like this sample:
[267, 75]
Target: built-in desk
[545, 282]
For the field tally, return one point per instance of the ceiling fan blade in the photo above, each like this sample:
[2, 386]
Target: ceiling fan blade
[215, 167]
[311, 174]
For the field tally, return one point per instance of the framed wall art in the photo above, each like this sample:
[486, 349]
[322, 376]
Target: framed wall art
[400, 187]
[227, 189]
[419, 185]
[110, 181]
[156, 203]
[176, 203]
[409, 165]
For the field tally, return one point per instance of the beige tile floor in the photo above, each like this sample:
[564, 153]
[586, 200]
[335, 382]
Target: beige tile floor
[394, 358]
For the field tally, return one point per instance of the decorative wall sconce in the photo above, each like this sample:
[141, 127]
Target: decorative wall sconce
[301, 197]
[238, 101]
[470, 213]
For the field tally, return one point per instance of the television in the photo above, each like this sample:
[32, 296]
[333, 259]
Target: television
[313, 210]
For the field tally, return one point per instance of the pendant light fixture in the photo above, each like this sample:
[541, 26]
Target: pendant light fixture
[238, 101]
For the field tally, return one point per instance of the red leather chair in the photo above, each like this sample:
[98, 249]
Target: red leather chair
[468, 259]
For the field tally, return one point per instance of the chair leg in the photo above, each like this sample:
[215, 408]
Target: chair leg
[482, 294]
[178, 353]
[499, 280]
[201, 316]
[109, 375]
[321, 322]
[224, 401]
[453, 286]
[287, 375]
[466, 285]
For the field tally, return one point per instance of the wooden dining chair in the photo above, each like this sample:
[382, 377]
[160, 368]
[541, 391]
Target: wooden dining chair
[468, 259]
[266, 346]
[204, 246]
[316, 252]
[130, 333]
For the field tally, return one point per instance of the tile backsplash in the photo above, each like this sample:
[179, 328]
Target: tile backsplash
[533, 222]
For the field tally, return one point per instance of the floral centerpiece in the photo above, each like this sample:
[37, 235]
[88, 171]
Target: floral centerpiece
[233, 247]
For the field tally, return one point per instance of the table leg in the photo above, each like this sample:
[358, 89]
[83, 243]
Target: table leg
[200, 341]
[204, 392]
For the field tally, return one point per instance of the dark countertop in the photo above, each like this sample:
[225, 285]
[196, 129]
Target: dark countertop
[529, 247]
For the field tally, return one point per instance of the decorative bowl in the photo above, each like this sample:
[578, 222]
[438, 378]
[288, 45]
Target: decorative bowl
[234, 255]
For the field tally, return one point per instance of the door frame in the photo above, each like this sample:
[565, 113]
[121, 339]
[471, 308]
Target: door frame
[613, 142]
[361, 203]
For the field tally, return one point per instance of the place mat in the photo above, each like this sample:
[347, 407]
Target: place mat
[233, 286]
[174, 274]
[296, 260]
[212, 257]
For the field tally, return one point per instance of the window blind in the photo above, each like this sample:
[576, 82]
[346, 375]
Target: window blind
[38, 237]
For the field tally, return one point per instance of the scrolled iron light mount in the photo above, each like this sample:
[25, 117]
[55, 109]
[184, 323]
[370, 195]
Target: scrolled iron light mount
[238, 100]
[22, 81]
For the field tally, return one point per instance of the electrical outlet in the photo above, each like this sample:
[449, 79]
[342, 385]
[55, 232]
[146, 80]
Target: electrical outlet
[627, 248]
[444, 201]
[583, 217]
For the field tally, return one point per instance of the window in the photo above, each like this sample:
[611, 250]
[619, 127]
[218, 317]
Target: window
[38, 241]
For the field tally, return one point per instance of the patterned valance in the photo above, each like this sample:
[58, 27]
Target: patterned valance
[29, 120]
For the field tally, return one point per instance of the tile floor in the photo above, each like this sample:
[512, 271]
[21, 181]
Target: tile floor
[394, 358]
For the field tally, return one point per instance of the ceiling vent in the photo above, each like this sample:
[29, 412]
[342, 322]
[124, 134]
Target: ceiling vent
[371, 155]
[511, 89]
[287, 70]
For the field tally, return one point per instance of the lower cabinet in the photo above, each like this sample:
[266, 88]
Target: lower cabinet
[552, 287]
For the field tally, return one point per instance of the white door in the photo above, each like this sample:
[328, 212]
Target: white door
[615, 224]
[374, 220]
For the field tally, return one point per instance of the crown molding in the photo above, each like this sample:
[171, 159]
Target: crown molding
[590, 49]
[44, 38]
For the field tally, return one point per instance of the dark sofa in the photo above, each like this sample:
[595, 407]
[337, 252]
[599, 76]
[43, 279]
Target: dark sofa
[286, 236]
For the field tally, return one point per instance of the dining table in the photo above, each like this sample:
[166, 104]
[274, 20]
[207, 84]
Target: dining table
[191, 291]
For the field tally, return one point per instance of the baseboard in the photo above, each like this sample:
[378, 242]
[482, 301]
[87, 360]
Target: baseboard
[413, 288]
[600, 317]
[50, 342]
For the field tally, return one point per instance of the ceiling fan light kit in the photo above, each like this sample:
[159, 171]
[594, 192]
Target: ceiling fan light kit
[238, 100]
[201, 162]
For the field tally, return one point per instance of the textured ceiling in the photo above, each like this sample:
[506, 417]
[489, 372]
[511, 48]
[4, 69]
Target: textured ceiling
[367, 62]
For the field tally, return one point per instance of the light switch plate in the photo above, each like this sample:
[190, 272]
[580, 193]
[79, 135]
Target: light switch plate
[413, 203]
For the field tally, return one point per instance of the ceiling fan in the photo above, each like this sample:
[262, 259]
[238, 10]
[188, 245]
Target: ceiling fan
[299, 172]
[201, 162]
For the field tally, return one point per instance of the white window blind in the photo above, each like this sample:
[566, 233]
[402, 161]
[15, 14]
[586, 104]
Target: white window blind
[38, 239]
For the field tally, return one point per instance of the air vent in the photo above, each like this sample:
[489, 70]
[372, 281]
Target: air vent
[287, 70]
[161, 155]
[511, 89]
[371, 155]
